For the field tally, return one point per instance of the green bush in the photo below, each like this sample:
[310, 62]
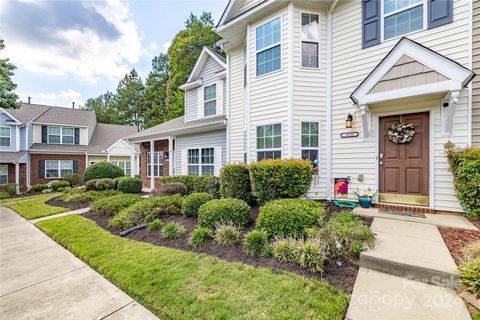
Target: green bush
[101, 170]
[465, 168]
[146, 211]
[470, 276]
[208, 184]
[81, 195]
[172, 230]
[192, 203]
[199, 237]
[73, 178]
[155, 225]
[10, 188]
[4, 195]
[104, 184]
[289, 217]
[47, 190]
[91, 184]
[312, 255]
[226, 235]
[55, 185]
[129, 185]
[224, 210]
[255, 243]
[113, 205]
[286, 250]
[38, 187]
[278, 179]
[235, 182]
[171, 188]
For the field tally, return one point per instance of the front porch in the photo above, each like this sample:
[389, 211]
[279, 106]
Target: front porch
[13, 170]
[156, 161]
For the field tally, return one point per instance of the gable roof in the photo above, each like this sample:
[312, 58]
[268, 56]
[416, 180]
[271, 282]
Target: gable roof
[67, 116]
[234, 9]
[202, 58]
[26, 112]
[451, 75]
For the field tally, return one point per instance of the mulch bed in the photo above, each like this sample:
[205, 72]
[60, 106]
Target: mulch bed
[475, 221]
[57, 202]
[341, 277]
[457, 239]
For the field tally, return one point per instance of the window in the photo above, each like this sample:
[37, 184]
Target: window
[210, 100]
[125, 165]
[54, 135]
[61, 135]
[401, 17]
[67, 135]
[269, 141]
[310, 39]
[3, 174]
[268, 38]
[157, 164]
[309, 141]
[201, 162]
[4, 136]
[58, 168]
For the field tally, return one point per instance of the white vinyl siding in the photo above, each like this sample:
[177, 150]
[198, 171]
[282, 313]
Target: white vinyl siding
[5, 136]
[3, 174]
[157, 164]
[58, 168]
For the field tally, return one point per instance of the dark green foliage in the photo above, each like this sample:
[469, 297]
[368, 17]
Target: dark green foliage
[38, 187]
[470, 276]
[4, 195]
[208, 184]
[173, 230]
[73, 178]
[193, 202]
[171, 188]
[129, 185]
[235, 182]
[113, 205]
[199, 237]
[8, 98]
[255, 243]
[81, 194]
[102, 170]
[59, 184]
[224, 210]
[465, 167]
[289, 217]
[10, 188]
[105, 184]
[278, 179]
[155, 225]
[156, 91]
[226, 235]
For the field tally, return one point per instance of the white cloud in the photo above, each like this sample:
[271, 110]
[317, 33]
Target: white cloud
[60, 99]
[87, 40]
[165, 46]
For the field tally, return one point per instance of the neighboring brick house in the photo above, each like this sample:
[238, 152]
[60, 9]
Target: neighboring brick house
[41, 143]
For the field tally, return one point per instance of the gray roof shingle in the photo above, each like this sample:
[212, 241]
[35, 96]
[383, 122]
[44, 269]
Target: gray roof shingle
[67, 116]
[27, 112]
[9, 157]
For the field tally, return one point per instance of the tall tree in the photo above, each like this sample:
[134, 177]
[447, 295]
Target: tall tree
[183, 53]
[105, 108]
[156, 91]
[8, 98]
[130, 99]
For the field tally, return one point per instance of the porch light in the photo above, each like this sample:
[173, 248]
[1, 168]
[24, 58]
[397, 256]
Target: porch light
[349, 121]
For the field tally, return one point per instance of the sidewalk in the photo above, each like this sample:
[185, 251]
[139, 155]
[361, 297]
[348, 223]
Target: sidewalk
[39, 279]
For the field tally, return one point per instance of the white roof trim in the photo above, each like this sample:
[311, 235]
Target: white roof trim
[458, 75]
[121, 140]
[12, 117]
[202, 58]
[191, 85]
[222, 25]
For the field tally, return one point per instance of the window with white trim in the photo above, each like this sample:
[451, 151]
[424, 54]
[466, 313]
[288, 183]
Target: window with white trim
[201, 162]
[157, 164]
[5, 136]
[58, 168]
[3, 174]
[54, 135]
[310, 40]
[61, 135]
[269, 141]
[68, 135]
[210, 100]
[309, 141]
[268, 47]
[402, 16]
[124, 165]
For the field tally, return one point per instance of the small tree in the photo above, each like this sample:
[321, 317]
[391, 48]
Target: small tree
[8, 98]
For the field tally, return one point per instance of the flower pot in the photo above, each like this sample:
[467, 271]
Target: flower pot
[365, 202]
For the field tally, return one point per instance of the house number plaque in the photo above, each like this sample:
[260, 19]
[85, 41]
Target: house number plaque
[349, 134]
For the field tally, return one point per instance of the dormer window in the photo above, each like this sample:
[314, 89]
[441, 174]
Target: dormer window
[210, 100]
[268, 38]
[54, 135]
[60, 135]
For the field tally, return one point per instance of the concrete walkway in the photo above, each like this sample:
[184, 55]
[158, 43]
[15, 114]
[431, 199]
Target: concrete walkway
[39, 279]
[78, 211]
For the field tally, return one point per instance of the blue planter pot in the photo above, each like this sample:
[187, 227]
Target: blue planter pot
[365, 202]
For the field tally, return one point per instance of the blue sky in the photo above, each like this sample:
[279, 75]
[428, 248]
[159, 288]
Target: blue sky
[72, 51]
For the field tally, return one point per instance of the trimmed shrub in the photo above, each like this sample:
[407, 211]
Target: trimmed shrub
[73, 178]
[91, 184]
[47, 190]
[471, 251]
[465, 168]
[199, 237]
[146, 211]
[470, 276]
[208, 184]
[312, 255]
[226, 235]
[224, 210]
[104, 184]
[235, 182]
[173, 230]
[81, 194]
[289, 217]
[255, 243]
[113, 205]
[101, 170]
[55, 185]
[278, 179]
[4, 195]
[193, 202]
[155, 225]
[38, 187]
[129, 185]
[171, 188]
[10, 188]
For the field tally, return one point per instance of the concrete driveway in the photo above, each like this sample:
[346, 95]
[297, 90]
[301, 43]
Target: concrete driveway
[39, 279]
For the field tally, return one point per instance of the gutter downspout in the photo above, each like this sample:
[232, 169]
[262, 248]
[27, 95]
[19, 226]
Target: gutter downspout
[290, 79]
[329, 100]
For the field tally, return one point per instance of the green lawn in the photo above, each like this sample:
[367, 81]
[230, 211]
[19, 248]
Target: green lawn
[177, 284]
[33, 207]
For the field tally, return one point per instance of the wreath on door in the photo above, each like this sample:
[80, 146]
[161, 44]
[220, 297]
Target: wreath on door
[400, 133]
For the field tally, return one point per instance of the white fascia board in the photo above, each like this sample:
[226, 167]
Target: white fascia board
[12, 117]
[121, 140]
[60, 125]
[221, 75]
[191, 85]
[222, 26]
[202, 58]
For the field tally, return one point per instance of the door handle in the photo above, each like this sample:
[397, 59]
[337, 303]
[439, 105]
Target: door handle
[381, 155]
[381, 163]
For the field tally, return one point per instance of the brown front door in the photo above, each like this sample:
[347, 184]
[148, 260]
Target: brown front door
[404, 167]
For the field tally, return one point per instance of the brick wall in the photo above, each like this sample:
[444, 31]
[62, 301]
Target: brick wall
[35, 158]
[160, 145]
[22, 176]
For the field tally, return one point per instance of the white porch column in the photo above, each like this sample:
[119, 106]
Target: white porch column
[17, 176]
[108, 157]
[138, 164]
[365, 120]
[133, 166]
[171, 156]
[152, 179]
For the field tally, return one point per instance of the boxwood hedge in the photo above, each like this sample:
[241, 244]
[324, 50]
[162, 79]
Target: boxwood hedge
[224, 210]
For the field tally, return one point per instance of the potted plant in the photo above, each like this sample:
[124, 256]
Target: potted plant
[365, 197]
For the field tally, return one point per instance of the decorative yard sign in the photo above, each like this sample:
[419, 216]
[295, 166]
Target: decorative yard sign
[352, 134]
[340, 188]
